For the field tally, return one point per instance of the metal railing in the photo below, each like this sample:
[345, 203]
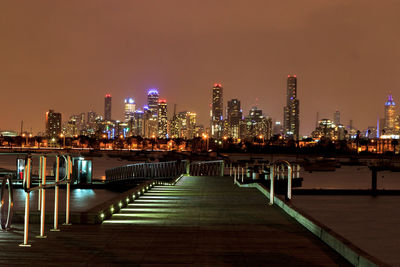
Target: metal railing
[278, 170]
[41, 188]
[207, 168]
[156, 170]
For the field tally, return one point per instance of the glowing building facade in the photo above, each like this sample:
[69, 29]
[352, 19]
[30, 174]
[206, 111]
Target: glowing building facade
[107, 107]
[162, 119]
[129, 109]
[217, 111]
[291, 122]
[390, 115]
[234, 115]
[53, 124]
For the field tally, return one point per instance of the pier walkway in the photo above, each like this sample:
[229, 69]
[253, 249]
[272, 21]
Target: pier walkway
[199, 221]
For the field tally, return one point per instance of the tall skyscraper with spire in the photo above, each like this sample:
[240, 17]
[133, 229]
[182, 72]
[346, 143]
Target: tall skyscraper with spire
[107, 107]
[291, 110]
[390, 115]
[217, 111]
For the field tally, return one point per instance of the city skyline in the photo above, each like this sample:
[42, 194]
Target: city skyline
[348, 65]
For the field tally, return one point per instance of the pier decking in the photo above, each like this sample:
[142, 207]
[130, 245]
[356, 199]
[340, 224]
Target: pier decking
[200, 220]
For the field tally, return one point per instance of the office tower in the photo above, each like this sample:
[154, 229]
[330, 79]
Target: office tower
[91, 122]
[152, 100]
[107, 107]
[217, 111]
[390, 115]
[162, 119]
[137, 123]
[336, 117]
[129, 109]
[53, 124]
[183, 125]
[234, 115]
[256, 125]
[291, 110]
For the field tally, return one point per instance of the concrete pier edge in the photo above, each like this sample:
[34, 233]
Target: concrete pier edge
[344, 247]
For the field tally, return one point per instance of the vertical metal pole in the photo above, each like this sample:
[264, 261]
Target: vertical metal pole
[57, 179]
[234, 175]
[222, 168]
[40, 183]
[230, 170]
[68, 169]
[43, 200]
[289, 188]
[242, 174]
[27, 176]
[271, 189]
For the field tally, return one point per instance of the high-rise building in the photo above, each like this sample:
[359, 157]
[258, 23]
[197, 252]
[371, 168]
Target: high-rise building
[53, 124]
[129, 108]
[91, 122]
[234, 115]
[256, 125]
[217, 111]
[291, 110]
[183, 125]
[390, 115]
[137, 123]
[107, 107]
[162, 119]
[152, 100]
[336, 117]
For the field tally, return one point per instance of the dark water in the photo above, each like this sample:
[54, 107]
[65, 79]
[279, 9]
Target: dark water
[371, 223]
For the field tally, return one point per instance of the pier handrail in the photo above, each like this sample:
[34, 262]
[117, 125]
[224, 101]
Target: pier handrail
[166, 169]
[42, 192]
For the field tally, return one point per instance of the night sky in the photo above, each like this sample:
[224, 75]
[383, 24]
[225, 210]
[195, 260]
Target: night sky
[66, 55]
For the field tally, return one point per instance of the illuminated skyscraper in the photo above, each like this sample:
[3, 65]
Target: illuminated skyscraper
[107, 107]
[390, 115]
[291, 123]
[234, 114]
[183, 125]
[53, 123]
[129, 109]
[152, 100]
[336, 117]
[162, 119]
[217, 111]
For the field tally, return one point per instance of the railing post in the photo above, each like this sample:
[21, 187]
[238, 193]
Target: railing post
[40, 183]
[68, 170]
[187, 168]
[242, 175]
[57, 179]
[222, 168]
[43, 198]
[27, 180]
[289, 189]
[271, 189]
[234, 175]
[230, 169]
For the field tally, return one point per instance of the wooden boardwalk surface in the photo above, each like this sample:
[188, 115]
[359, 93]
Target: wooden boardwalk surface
[200, 221]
